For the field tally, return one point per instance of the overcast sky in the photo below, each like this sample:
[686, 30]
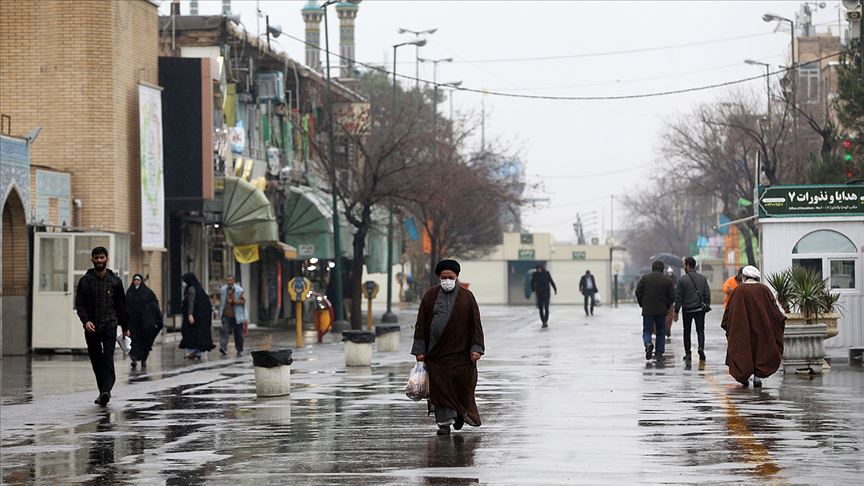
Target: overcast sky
[612, 144]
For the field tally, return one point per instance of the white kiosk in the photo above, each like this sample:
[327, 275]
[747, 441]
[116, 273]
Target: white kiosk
[59, 261]
[821, 227]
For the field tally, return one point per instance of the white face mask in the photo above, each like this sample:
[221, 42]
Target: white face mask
[448, 285]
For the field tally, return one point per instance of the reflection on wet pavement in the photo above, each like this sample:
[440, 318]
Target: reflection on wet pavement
[576, 404]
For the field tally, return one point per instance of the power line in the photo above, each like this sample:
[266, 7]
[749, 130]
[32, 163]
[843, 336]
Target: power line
[568, 98]
[584, 176]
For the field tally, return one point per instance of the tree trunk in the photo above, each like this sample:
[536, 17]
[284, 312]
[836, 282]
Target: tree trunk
[357, 262]
[749, 232]
[433, 259]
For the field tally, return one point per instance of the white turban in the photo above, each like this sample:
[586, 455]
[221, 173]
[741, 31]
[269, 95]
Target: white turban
[751, 272]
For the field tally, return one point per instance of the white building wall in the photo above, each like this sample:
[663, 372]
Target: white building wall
[779, 236]
[488, 280]
[567, 275]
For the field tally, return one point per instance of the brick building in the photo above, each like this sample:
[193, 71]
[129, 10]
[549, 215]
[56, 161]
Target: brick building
[73, 70]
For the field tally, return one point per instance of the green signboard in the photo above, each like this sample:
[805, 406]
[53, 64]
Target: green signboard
[526, 254]
[578, 255]
[798, 201]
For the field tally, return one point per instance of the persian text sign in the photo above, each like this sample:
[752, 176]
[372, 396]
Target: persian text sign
[152, 181]
[789, 201]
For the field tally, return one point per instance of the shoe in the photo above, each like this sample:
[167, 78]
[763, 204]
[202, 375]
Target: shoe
[701, 355]
[544, 326]
[649, 349]
[104, 398]
[458, 422]
[239, 353]
[687, 357]
[745, 382]
[443, 430]
[757, 383]
[668, 340]
[143, 365]
[658, 356]
[592, 313]
[133, 364]
[223, 352]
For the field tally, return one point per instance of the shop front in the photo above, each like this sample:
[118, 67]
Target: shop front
[820, 227]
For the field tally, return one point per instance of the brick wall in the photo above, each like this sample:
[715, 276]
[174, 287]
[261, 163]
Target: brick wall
[73, 68]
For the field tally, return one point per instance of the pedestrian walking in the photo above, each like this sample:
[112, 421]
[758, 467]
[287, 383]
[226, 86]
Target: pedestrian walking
[541, 280]
[588, 287]
[101, 306]
[232, 310]
[448, 338]
[670, 315]
[197, 318]
[145, 320]
[655, 294]
[754, 328]
[731, 284]
[693, 296]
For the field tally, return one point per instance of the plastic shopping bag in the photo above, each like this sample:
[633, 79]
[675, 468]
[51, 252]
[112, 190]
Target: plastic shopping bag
[124, 341]
[418, 383]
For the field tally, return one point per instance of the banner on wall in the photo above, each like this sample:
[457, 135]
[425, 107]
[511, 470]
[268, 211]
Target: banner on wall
[152, 180]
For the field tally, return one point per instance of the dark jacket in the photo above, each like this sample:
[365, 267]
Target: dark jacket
[686, 296]
[655, 294]
[540, 283]
[583, 283]
[101, 300]
[145, 318]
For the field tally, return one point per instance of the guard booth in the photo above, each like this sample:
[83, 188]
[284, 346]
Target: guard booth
[59, 262]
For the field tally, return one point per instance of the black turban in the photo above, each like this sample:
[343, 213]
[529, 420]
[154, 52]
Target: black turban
[447, 265]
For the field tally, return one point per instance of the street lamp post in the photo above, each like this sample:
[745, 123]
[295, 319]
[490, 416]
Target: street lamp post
[417, 33]
[340, 324]
[768, 128]
[435, 99]
[390, 316]
[769, 17]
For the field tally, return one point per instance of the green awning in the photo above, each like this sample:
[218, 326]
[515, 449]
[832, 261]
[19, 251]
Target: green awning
[247, 217]
[307, 224]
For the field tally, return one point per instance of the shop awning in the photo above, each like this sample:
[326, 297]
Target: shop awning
[307, 224]
[247, 217]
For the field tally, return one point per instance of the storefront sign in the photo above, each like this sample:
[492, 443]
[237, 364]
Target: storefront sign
[152, 181]
[578, 255]
[796, 201]
[526, 254]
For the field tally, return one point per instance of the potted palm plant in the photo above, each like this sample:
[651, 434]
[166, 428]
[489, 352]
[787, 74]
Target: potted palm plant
[804, 291]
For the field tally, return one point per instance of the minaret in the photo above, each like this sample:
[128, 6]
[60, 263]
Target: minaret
[312, 16]
[226, 7]
[347, 12]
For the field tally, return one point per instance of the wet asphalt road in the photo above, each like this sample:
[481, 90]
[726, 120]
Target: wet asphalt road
[576, 403]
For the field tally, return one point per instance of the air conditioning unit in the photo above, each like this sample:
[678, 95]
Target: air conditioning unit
[270, 86]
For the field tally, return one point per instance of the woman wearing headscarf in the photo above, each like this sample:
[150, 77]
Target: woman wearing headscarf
[754, 330]
[145, 319]
[197, 318]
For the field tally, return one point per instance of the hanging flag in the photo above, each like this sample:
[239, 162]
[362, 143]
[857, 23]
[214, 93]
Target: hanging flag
[411, 229]
[742, 202]
[246, 254]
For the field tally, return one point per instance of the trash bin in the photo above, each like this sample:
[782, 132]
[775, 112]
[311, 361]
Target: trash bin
[358, 347]
[387, 337]
[272, 372]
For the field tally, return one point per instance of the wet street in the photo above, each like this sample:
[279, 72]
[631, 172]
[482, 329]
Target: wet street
[576, 403]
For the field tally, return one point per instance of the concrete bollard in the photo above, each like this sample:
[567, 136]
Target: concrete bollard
[387, 337]
[272, 372]
[358, 347]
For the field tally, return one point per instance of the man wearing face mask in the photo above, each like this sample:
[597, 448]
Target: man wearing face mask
[448, 338]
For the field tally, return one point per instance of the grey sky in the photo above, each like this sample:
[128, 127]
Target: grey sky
[559, 139]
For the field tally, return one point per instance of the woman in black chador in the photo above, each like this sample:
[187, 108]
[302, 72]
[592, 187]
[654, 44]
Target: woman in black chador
[145, 319]
[197, 318]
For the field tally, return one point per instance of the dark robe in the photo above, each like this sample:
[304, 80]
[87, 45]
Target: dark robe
[145, 320]
[452, 373]
[199, 335]
[754, 332]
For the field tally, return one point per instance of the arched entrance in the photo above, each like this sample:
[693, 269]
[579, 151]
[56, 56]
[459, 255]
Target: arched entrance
[15, 335]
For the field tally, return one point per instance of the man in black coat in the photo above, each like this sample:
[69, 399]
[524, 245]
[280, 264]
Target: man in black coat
[101, 305]
[588, 287]
[540, 283]
[694, 297]
[655, 294]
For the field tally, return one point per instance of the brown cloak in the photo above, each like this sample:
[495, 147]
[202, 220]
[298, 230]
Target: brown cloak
[452, 374]
[754, 332]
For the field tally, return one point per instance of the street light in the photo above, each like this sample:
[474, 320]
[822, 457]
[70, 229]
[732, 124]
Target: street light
[453, 85]
[770, 17]
[435, 99]
[768, 124]
[340, 324]
[417, 33]
[389, 316]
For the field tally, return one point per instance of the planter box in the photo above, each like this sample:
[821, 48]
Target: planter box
[358, 347]
[803, 349]
[830, 320]
[272, 372]
[387, 337]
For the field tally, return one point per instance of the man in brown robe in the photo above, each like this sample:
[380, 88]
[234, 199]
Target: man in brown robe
[448, 337]
[754, 330]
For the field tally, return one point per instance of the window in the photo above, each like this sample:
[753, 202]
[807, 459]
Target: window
[831, 254]
[808, 82]
[54, 265]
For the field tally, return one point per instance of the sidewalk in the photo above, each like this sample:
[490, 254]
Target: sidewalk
[576, 403]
